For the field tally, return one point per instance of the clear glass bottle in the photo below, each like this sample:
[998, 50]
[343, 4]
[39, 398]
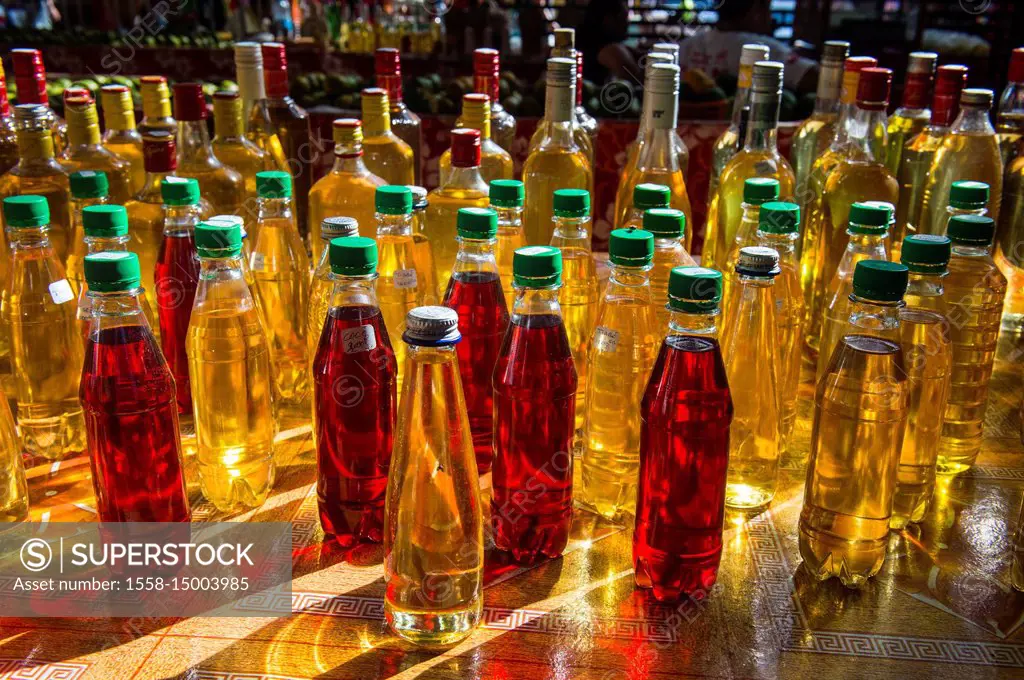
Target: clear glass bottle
[14, 490]
[260, 129]
[386, 155]
[506, 197]
[8, 135]
[495, 162]
[235, 150]
[1010, 113]
[30, 79]
[85, 150]
[120, 136]
[584, 121]
[156, 107]
[1009, 249]
[320, 290]
[668, 226]
[87, 188]
[486, 80]
[913, 114]
[564, 47]
[756, 192]
[405, 124]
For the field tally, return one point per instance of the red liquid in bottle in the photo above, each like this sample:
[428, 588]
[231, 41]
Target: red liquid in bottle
[176, 279]
[684, 453]
[483, 318]
[131, 418]
[354, 374]
[534, 411]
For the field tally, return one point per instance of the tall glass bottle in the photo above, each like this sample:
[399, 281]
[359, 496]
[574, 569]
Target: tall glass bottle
[320, 290]
[684, 446]
[120, 136]
[584, 121]
[913, 115]
[668, 226]
[46, 348]
[88, 188]
[405, 124]
[1010, 114]
[8, 135]
[156, 107]
[433, 524]
[621, 354]
[234, 149]
[495, 162]
[756, 192]
[85, 150]
[260, 129]
[14, 490]
[815, 134]
[1009, 251]
[975, 290]
[354, 399]
[648, 197]
[506, 197]
[860, 415]
[558, 161]
[229, 369]
[486, 80]
[30, 79]
[387, 156]
[564, 47]
[534, 392]
[127, 394]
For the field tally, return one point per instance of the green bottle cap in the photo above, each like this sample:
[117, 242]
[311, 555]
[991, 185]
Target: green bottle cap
[218, 239]
[631, 247]
[89, 184]
[506, 193]
[393, 199]
[665, 222]
[353, 255]
[476, 223]
[112, 271]
[537, 267]
[974, 230]
[572, 202]
[179, 191]
[26, 211]
[880, 280]
[105, 221]
[968, 195]
[779, 217]
[694, 289]
[647, 196]
[758, 190]
[870, 217]
[926, 253]
[273, 184]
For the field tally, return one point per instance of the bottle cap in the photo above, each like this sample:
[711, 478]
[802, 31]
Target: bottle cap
[273, 184]
[353, 255]
[26, 211]
[537, 267]
[973, 230]
[105, 221]
[922, 62]
[565, 39]
[949, 83]
[159, 152]
[669, 48]
[419, 197]
[873, 88]
[179, 191]
[118, 108]
[29, 76]
[880, 280]
[387, 62]
[189, 102]
[766, 77]
[561, 72]
[374, 104]
[393, 199]
[275, 56]
[112, 271]
[751, 53]
[758, 261]
[476, 223]
[248, 54]
[631, 247]
[665, 222]
[432, 326]
[647, 196]
[218, 239]
[694, 289]
[89, 184]
[653, 58]
[835, 51]
[338, 227]
[1016, 72]
[571, 202]
[346, 132]
[968, 195]
[663, 79]
[926, 253]
[465, 148]
[506, 193]
[757, 190]
[870, 217]
[228, 220]
[779, 217]
[977, 97]
[486, 62]
[858, 64]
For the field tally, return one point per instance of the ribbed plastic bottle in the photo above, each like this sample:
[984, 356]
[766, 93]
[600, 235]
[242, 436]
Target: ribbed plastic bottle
[669, 228]
[646, 196]
[506, 197]
[756, 191]
[321, 288]
[88, 188]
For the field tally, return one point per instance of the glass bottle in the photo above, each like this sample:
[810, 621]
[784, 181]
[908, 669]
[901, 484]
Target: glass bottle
[756, 192]
[684, 446]
[8, 145]
[252, 89]
[320, 290]
[14, 490]
[913, 114]
[506, 197]
[354, 399]
[1010, 114]
[534, 391]
[30, 79]
[495, 162]
[584, 121]
[557, 161]
[85, 150]
[564, 47]
[646, 197]
[433, 524]
[46, 348]
[235, 150]
[422, 249]
[975, 289]
[156, 109]
[668, 226]
[229, 369]
[486, 80]
[128, 396]
[622, 352]
[386, 155]
[88, 188]
[405, 124]
[1009, 249]
[860, 415]
[120, 136]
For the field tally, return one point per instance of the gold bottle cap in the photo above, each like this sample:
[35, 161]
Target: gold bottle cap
[476, 113]
[83, 121]
[976, 97]
[376, 116]
[227, 113]
[156, 97]
[118, 108]
[347, 132]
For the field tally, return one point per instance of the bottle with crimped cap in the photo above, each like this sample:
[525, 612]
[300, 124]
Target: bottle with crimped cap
[1009, 249]
[668, 226]
[495, 162]
[156, 106]
[405, 124]
[860, 415]
[756, 192]
[234, 149]
[88, 188]
[564, 47]
[622, 349]
[85, 150]
[1010, 114]
[913, 114]
[323, 283]
[386, 155]
[486, 80]
[120, 136]
[30, 80]
[8, 137]
[506, 197]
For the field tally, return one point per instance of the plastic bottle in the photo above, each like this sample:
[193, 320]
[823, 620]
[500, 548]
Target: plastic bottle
[422, 249]
[506, 197]
[756, 191]
[320, 291]
[87, 188]
[647, 196]
[14, 490]
[669, 228]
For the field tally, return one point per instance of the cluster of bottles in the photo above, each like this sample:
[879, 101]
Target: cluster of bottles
[416, 27]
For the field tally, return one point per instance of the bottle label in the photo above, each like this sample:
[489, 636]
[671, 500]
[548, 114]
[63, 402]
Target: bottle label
[405, 278]
[60, 292]
[558, 104]
[664, 111]
[359, 339]
[605, 339]
[830, 82]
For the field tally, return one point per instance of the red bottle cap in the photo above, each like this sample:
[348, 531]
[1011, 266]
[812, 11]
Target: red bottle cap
[77, 93]
[873, 89]
[388, 66]
[275, 69]
[159, 152]
[1017, 65]
[29, 76]
[5, 104]
[949, 83]
[579, 78]
[189, 102]
[152, 80]
[465, 148]
[858, 64]
[486, 67]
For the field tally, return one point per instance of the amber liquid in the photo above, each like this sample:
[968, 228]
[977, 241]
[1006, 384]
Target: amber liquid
[342, 192]
[1010, 246]
[915, 164]
[13, 488]
[578, 299]
[442, 213]
[809, 142]
[968, 156]
[146, 230]
[292, 125]
[389, 158]
[550, 167]
[400, 287]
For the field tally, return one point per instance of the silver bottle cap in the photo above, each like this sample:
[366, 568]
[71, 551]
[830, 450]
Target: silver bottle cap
[835, 52]
[753, 53]
[767, 77]
[28, 115]
[663, 79]
[565, 39]
[976, 97]
[653, 58]
[335, 227]
[670, 48]
[758, 261]
[433, 325]
[248, 54]
[419, 197]
[921, 62]
[561, 72]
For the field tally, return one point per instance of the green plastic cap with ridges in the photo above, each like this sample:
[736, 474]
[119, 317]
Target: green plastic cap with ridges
[571, 203]
[779, 217]
[89, 184]
[926, 253]
[218, 239]
[870, 217]
[393, 199]
[506, 193]
[647, 196]
[880, 280]
[694, 289]
[665, 222]
[112, 271]
[973, 230]
[758, 190]
[179, 191]
[353, 255]
[28, 211]
[537, 267]
[631, 247]
[968, 195]
[273, 184]
[476, 223]
[105, 221]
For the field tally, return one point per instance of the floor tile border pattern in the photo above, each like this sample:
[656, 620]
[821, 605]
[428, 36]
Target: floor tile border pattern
[20, 669]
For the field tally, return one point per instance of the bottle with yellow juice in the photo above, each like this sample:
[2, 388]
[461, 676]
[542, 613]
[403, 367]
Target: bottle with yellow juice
[495, 162]
[506, 197]
[385, 154]
[120, 136]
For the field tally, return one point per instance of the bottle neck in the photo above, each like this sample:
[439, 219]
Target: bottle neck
[348, 158]
[632, 281]
[475, 255]
[488, 85]
[973, 120]
[704, 324]
[102, 244]
[536, 301]
[432, 355]
[963, 250]
[1011, 105]
[376, 123]
[354, 291]
[868, 134]
[742, 97]
[393, 85]
[866, 244]
[214, 268]
[194, 142]
[783, 244]
[748, 222]
[925, 285]
[181, 220]
[464, 177]
[273, 208]
[749, 281]
[763, 122]
[480, 121]
[559, 102]
[156, 103]
[915, 92]
[509, 219]
[394, 225]
[872, 315]
[227, 121]
[830, 83]
[116, 309]
[658, 150]
[79, 204]
[29, 238]
[572, 232]
[35, 145]
[251, 87]
[276, 82]
[151, 186]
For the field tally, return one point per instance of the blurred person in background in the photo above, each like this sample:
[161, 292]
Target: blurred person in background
[601, 36]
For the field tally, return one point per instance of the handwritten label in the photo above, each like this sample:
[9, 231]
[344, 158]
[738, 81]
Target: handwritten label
[256, 262]
[405, 278]
[60, 292]
[358, 339]
[605, 339]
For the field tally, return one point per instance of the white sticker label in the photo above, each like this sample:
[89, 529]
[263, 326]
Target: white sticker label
[358, 339]
[605, 339]
[60, 292]
[256, 262]
[405, 278]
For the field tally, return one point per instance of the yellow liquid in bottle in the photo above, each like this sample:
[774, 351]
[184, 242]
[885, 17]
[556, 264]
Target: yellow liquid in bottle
[445, 202]
[726, 146]
[901, 130]
[222, 187]
[99, 159]
[1010, 246]
[495, 162]
[968, 156]
[813, 219]
[673, 180]
[578, 298]
[809, 142]
[510, 238]
[54, 187]
[129, 148]
[915, 164]
[400, 287]
[342, 194]
[13, 489]
[146, 230]
[389, 158]
[549, 168]
[669, 253]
